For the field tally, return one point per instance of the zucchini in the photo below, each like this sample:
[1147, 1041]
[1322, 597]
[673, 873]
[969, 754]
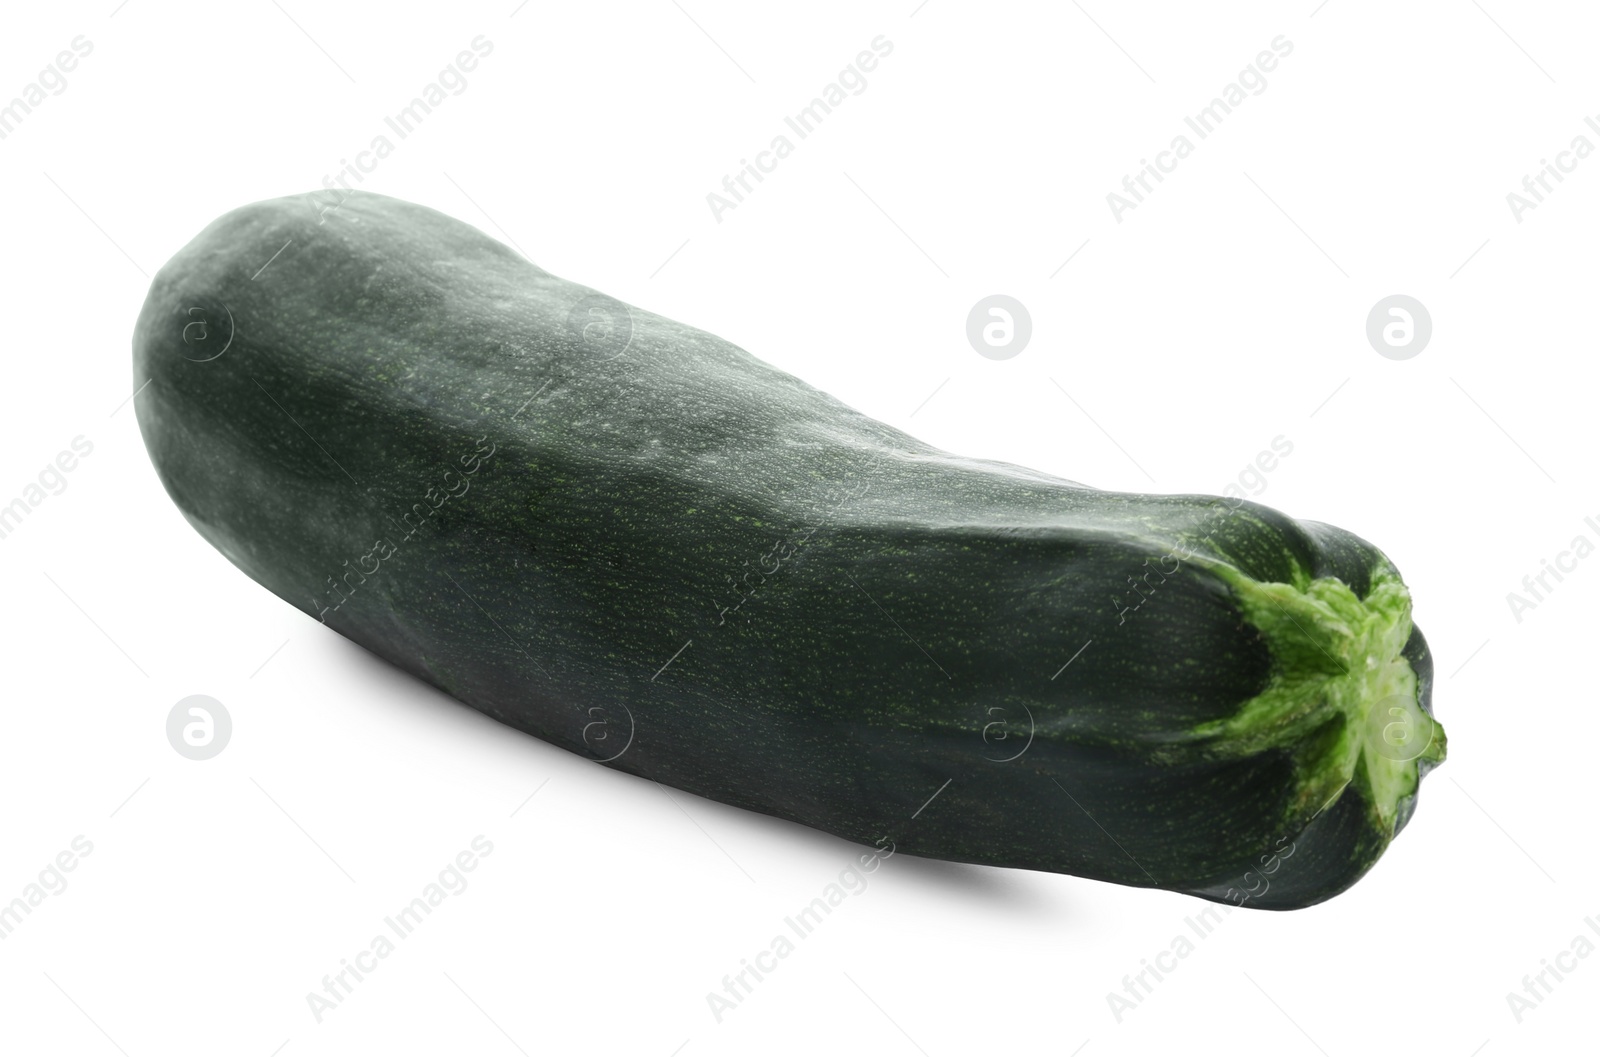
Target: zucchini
[638, 542]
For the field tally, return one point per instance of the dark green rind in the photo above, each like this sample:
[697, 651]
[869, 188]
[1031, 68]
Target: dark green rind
[917, 599]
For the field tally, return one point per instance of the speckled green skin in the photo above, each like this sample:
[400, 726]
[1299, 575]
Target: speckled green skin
[907, 613]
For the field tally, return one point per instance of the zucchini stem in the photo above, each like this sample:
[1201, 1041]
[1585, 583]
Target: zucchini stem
[1342, 698]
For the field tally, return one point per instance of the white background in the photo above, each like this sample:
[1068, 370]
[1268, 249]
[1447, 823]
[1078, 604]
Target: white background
[1226, 310]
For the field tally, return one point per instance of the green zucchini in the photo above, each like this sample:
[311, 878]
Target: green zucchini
[638, 542]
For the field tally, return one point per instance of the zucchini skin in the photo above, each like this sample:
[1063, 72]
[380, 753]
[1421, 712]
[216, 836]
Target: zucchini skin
[636, 541]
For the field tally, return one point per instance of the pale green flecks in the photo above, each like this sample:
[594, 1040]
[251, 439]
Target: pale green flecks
[1340, 693]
